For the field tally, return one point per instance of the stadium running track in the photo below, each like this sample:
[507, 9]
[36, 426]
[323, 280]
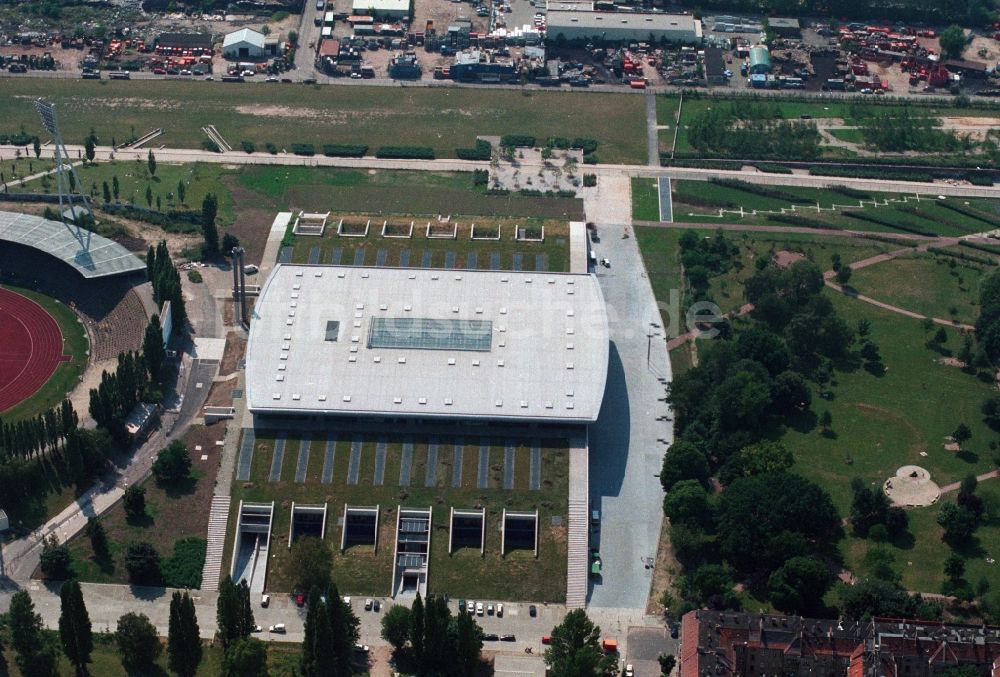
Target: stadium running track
[31, 348]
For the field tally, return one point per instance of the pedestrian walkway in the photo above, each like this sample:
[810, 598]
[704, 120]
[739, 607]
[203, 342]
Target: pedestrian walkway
[432, 460]
[406, 463]
[456, 467]
[579, 488]
[483, 477]
[303, 461]
[218, 518]
[331, 447]
[535, 480]
[509, 458]
[380, 454]
[354, 464]
[278, 458]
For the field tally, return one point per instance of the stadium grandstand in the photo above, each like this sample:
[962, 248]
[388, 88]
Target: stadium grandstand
[100, 258]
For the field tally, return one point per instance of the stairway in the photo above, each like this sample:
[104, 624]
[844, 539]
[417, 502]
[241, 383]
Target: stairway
[577, 539]
[218, 518]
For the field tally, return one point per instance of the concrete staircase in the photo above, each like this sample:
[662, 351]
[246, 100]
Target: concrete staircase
[577, 539]
[218, 518]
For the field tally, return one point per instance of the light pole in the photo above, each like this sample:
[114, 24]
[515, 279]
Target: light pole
[649, 340]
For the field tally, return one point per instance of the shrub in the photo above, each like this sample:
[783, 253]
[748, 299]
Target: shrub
[847, 191]
[194, 276]
[210, 146]
[763, 191]
[590, 159]
[589, 180]
[405, 152]
[871, 218]
[517, 141]
[344, 150]
[983, 260]
[172, 463]
[482, 151]
[801, 221]
[560, 142]
[480, 177]
[586, 145]
[271, 148]
[977, 179]
[183, 568]
[872, 173]
[248, 146]
[772, 168]
[142, 563]
[303, 149]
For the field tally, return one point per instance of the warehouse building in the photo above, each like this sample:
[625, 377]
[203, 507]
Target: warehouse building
[583, 24]
[244, 44]
[392, 10]
[759, 61]
[786, 27]
[468, 346]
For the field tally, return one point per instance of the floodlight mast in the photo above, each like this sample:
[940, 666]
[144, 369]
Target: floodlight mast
[47, 112]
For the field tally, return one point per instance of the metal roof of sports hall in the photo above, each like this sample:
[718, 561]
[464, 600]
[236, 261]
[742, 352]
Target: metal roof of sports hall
[458, 344]
[101, 258]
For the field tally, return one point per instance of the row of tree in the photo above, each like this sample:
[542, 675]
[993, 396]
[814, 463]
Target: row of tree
[733, 131]
[434, 641]
[166, 281]
[39, 434]
[118, 393]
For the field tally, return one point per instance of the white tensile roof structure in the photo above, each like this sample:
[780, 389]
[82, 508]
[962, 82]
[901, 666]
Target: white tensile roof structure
[247, 35]
[103, 257]
[418, 343]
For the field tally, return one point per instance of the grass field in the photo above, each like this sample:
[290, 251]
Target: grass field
[282, 659]
[850, 135]
[645, 200]
[945, 287]
[443, 118]
[18, 168]
[67, 374]
[396, 192]
[359, 570]
[555, 248]
[172, 512]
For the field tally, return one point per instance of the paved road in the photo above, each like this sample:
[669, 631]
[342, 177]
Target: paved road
[652, 132]
[184, 155]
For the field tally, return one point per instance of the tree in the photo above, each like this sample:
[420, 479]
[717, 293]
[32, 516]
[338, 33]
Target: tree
[181, 191]
[36, 145]
[233, 613]
[709, 585]
[844, 275]
[869, 507]
[667, 663]
[142, 563]
[954, 567]
[417, 628]
[74, 626]
[209, 210]
[157, 203]
[107, 191]
[229, 241]
[761, 520]
[396, 626]
[89, 149]
[757, 459]
[311, 561]
[961, 435]
[115, 186]
[134, 501]
[825, 421]
[799, 585]
[684, 461]
[318, 640]
[871, 597]
[153, 352]
[687, 503]
[149, 196]
[575, 649]
[346, 630]
[959, 524]
[953, 41]
[34, 656]
[173, 463]
[183, 641]
[245, 658]
[790, 393]
[55, 559]
[466, 640]
[881, 564]
[151, 163]
[138, 644]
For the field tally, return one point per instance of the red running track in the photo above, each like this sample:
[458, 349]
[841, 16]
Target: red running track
[31, 347]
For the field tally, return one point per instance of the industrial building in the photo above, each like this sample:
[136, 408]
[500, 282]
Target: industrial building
[244, 44]
[412, 344]
[583, 23]
[384, 9]
[759, 61]
[715, 67]
[786, 27]
[478, 66]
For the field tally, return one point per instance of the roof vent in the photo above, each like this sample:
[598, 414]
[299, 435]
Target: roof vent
[407, 307]
[569, 405]
[411, 276]
[505, 279]
[503, 311]
[397, 400]
[458, 278]
[287, 337]
[321, 398]
[281, 367]
[340, 275]
[359, 306]
[548, 405]
[402, 360]
[475, 363]
[364, 276]
[451, 361]
[569, 346]
[276, 396]
[318, 273]
[447, 402]
[376, 359]
[524, 404]
[383, 306]
[499, 403]
[569, 365]
[454, 309]
[296, 397]
[347, 398]
[499, 363]
[352, 358]
[435, 277]
[298, 273]
[421, 400]
[279, 377]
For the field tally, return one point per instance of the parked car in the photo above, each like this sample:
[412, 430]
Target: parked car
[532, 611]
[250, 269]
[490, 638]
[257, 628]
[461, 604]
[265, 600]
[300, 599]
[500, 610]
[377, 606]
[368, 604]
[489, 609]
[479, 608]
[470, 607]
[347, 600]
[278, 628]
[507, 638]
[629, 671]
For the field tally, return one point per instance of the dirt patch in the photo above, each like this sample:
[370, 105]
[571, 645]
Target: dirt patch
[235, 349]
[952, 362]
[252, 224]
[664, 572]
[784, 258]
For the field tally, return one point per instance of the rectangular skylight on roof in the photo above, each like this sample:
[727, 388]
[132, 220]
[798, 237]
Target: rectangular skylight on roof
[332, 330]
[430, 334]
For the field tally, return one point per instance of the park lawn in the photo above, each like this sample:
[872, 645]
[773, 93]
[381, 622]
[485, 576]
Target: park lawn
[442, 118]
[555, 248]
[666, 109]
[645, 200]
[173, 512]
[67, 374]
[12, 169]
[361, 571]
[882, 423]
[282, 659]
[929, 284]
[661, 257]
[848, 134]
[134, 177]
[318, 189]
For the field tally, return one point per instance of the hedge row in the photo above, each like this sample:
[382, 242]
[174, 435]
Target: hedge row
[916, 230]
[405, 153]
[695, 164]
[482, 151]
[847, 191]
[763, 191]
[802, 221]
[517, 141]
[173, 221]
[874, 173]
[977, 179]
[963, 256]
[546, 193]
[988, 248]
[587, 145]
[344, 150]
[970, 212]
[772, 168]
[19, 139]
[303, 149]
